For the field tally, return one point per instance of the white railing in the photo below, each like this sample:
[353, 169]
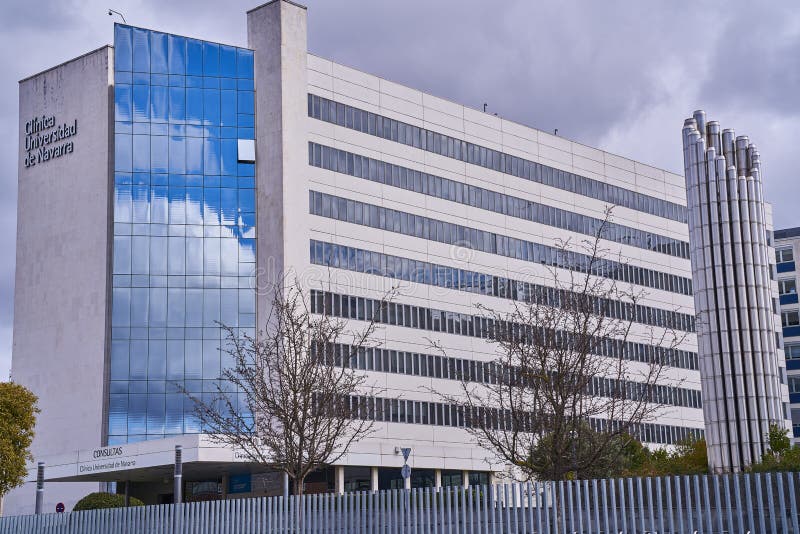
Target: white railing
[704, 504]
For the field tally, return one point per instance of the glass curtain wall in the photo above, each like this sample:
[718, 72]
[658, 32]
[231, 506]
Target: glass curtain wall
[184, 226]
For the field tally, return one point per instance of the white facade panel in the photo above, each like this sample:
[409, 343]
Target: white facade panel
[62, 282]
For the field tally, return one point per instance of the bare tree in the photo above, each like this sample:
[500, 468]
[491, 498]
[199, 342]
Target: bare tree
[286, 399]
[566, 392]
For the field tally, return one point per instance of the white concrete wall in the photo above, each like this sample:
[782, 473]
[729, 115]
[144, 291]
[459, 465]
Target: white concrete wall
[285, 178]
[61, 297]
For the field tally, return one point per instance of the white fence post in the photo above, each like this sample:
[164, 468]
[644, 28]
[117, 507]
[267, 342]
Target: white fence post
[767, 503]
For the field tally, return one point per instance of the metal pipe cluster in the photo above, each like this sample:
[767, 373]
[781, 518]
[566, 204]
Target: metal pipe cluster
[737, 336]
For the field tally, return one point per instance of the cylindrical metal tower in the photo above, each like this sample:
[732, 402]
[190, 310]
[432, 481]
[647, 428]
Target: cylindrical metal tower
[737, 337]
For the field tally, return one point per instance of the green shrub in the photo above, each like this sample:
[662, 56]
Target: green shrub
[98, 500]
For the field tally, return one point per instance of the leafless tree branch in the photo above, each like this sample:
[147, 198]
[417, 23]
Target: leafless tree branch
[285, 400]
[536, 405]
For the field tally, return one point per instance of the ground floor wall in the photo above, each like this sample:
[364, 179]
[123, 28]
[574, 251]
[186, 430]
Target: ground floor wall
[335, 479]
[22, 500]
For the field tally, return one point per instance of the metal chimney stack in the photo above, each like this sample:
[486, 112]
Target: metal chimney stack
[738, 340]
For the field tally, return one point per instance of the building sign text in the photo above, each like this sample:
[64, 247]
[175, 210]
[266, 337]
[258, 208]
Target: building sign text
[46, 140]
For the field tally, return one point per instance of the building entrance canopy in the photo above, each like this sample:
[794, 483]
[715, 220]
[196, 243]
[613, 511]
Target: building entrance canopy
[146, 461]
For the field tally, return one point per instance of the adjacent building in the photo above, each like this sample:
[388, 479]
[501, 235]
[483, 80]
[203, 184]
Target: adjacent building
[165, 181]
[741, 362]
[787, 247]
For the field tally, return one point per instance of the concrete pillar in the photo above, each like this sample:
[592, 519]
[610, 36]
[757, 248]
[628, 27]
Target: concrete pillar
[339, 479]
[465, 478]
[276, 31]
[373, 472]
[407, 483]
[285, 484]
[437, 478]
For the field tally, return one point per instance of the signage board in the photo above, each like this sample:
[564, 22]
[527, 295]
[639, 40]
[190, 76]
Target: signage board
[104, 459]
[405, 471]
[239, 483]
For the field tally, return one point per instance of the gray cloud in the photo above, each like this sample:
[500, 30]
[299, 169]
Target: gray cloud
[756, 68]
[621, 75]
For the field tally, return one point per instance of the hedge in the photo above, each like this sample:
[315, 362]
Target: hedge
[98, 500]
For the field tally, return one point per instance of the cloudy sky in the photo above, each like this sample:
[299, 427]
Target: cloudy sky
[620, 75]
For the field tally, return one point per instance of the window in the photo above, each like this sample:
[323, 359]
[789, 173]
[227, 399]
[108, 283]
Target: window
[783, 255]
[786, 287]
[792, 351]
[794, 384]
[790, 318]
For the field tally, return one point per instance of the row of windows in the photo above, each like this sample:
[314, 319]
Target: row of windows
[174, 332]
[455, 415]
[161, 154]
[409, 316]
[478, 197]
[242, 230]
[430, 365]
[175, 256]
[364, 261]
[193, 105]
[386, 128]
[180, 80]
[245, 179]
[153, 365]
[178, 307]
[181, 130]
[174, 384]
[156, 415]
[390, 220]
[792, 351]
[651, 432]
[141, 50]
[178, 205]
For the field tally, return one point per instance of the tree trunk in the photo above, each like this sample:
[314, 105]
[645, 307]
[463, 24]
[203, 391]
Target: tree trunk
[298, 507]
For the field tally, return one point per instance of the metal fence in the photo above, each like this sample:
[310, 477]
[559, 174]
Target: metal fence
[755, 503]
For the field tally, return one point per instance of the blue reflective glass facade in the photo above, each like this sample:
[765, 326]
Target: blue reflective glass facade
[184, 225]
